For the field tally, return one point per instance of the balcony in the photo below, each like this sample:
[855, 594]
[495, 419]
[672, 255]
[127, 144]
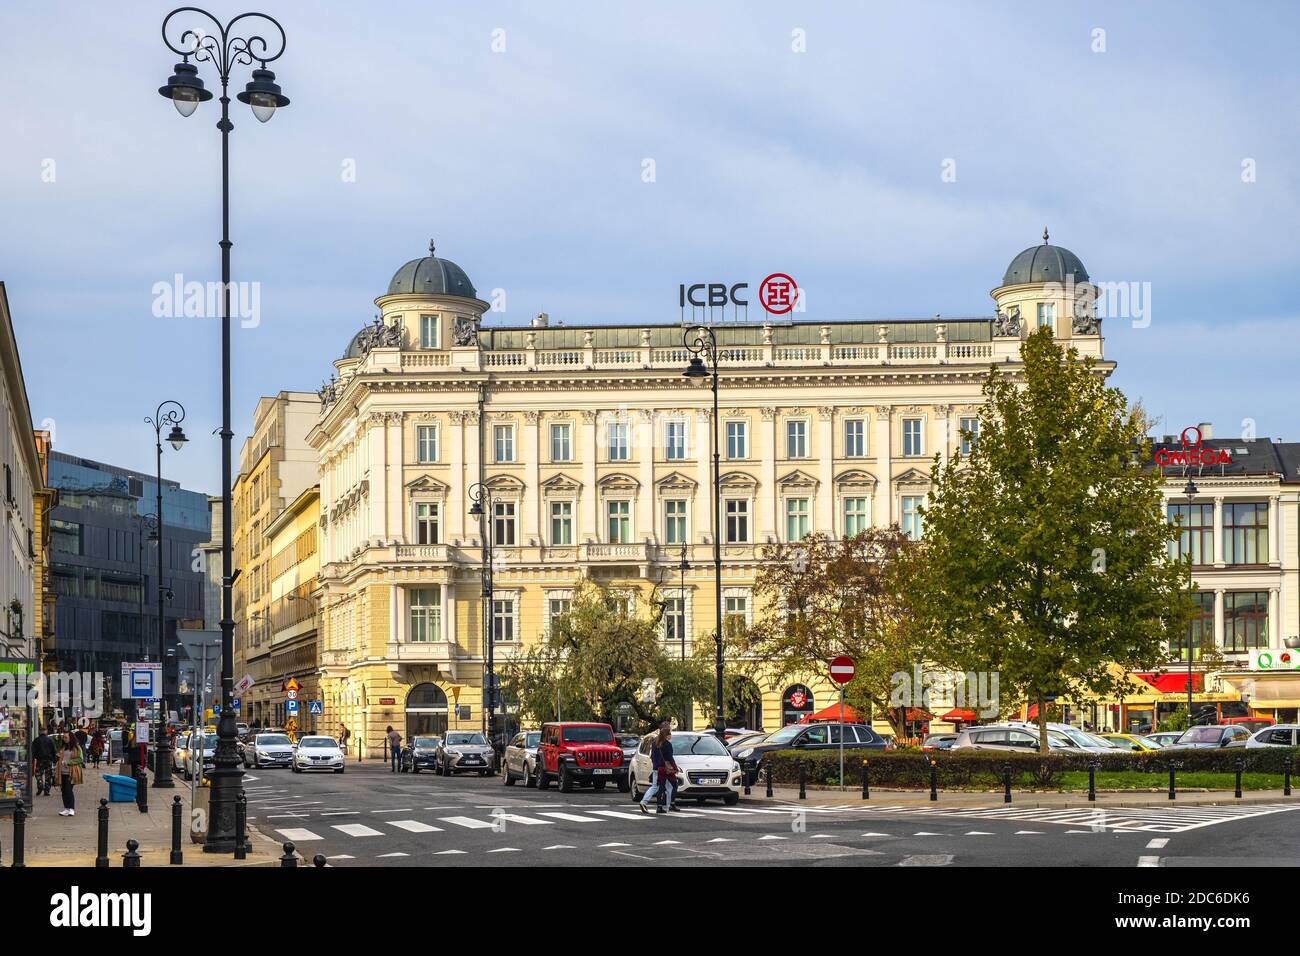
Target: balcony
[335, 658]
[617, 552]
[421, 552]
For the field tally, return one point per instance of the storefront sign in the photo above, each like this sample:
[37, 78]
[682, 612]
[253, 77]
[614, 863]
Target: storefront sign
[1278, 660]
[387, 701]
[778, 294]
[1191, 452]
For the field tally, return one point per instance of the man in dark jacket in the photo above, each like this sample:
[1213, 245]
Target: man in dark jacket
[44, 754]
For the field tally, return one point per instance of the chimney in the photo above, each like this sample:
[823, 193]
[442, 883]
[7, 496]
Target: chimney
[542, 321]
[1207, 429]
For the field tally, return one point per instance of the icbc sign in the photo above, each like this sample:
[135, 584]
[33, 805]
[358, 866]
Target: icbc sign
[778, 294]
[1191, 452]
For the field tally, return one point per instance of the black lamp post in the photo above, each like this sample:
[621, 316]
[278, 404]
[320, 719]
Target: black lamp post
[1190, 491]
[481, 496]
[224, 49]
[148, 531]
[702, 343]
[162, 418]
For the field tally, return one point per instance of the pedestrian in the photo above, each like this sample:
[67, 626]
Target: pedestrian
[394, 748]
[664, 769]
[45, 752]
[72, 760]
[96, 749]
[344, 736]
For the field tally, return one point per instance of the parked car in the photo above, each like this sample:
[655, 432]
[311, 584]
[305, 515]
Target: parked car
[180, 749]
[1278, 735]
[201, 749]
[1252, 724]
[579, 754]
[813, 737]
[706, 768]
[629, 744]
[939, 742]
[1016, 738]
[464, 750]
[1080, 738]
[241, 729]
[268, 750]
[753, 737]
[1211, 737]
[1132, 741]
[1164, 737]
[519, 762]
[420, 753]
[318, 753]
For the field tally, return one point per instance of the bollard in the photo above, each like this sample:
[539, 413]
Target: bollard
[744, 778]
[288, 860]
[241, 819]
[20, 836]
[101, 851]
[1006, 783]
[141, 790]
[1173, 765]
[131, 858]
[1241, 765]
[176, 857]
[866, 781]
[1286, 778]
[934, 779]
[769, 780]
[1092, 781]
[319, 860]
[803, 791]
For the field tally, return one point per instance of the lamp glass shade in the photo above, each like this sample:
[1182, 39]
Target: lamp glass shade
[186, 103]
[697, 372]
[177, 437]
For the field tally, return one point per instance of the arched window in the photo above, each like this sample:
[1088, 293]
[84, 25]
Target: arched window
[796, 703]
[426, 711]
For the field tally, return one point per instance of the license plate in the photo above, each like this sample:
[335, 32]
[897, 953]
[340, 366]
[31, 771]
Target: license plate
[708, 779]
[600, 771]
[469, 760]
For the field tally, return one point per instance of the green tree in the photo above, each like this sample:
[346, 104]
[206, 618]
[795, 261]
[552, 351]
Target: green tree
[1045, 551]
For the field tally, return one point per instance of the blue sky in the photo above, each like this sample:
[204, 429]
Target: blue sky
[526, 165]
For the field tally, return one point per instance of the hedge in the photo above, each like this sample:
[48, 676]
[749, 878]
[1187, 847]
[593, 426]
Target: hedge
[982, 769]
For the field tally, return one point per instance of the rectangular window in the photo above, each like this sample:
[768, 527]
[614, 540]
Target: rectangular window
[616, 440]
[675, 522]
[855, 438]
[970, 434]
[735, 614]
[620, 521]
[911, 524]
[503, 523]
[503, 620]
[426, 522]
[1200, 631]
[426, 614]
[561, 523]
[737, 513]
[1047, 315]
[1245, 533]
[796, 439]
[1196, 535]
[556, 607]
[428, 331]
[426, 443]
[675, 441]
[1245, 620]
[503, 438]
[675, 619]
[912, 444]
[737, 441]
[561, 442]
[857, 516]
[796, 519]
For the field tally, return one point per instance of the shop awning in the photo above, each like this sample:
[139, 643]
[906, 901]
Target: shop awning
[832, 714]
[1266, 693]
[1172, 682]
[959, 714]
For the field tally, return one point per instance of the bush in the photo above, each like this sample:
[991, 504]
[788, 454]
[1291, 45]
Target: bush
[982, 769]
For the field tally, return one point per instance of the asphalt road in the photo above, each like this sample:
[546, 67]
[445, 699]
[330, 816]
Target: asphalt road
[369, 816]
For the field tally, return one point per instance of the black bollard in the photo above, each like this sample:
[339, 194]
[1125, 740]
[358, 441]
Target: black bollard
[319, 860]
[1006, 783]
[1286, 778]
[934, 779]
[241, 818]
[101, 851]
[866, 780]
[131, 859]
[1092, 780]
[20, 836]
[744, 778]
[803, 790]
[1173, 765]
[1241, 765]
[176, 857]
[769, 779]
[288, 860]
[141, 790]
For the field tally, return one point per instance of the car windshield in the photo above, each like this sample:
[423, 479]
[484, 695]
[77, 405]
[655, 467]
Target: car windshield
[1080, 738]
[272, 739]
[588, 735]
[426, 743]
[785, 734]
[210, 742]
[1151, 741]
[314, 742]
[700, 745]
[533, 739]
[1057, 739]
[1201, 735]
[464, 739]
[628, 740]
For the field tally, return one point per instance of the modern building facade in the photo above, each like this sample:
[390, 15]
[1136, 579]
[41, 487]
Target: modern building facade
[596, 450]
[295, 561]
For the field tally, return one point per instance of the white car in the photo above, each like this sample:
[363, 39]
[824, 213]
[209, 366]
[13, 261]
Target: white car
[1080, 738]
[317, 753]
[208, 751]
[1276, 735]
[268, 750]
[706, 768]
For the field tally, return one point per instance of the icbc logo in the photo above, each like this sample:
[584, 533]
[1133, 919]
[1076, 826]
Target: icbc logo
[1191, 452]
[778, 293]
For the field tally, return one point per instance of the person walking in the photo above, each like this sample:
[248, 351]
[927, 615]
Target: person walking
[72, 761]
[96, 749]
[394, 748]
[45, 753]
[664, 769]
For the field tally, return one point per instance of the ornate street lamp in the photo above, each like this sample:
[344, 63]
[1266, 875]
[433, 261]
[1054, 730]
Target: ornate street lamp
[1190, 491]
[702, 343]
[163, 417]
[481, 496]
[224, 48]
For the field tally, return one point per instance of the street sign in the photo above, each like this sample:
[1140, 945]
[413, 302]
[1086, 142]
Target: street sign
[291, 707]
[290, 694]
[141, 681]
[314, 708]
[234, 703]
[245, 684]
[292, 684]
[842, 669]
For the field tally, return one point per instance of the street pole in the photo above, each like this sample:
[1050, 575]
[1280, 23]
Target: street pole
[842, 728]
[1190, 490]
[224, 49]
[162, 417]
[481, 508]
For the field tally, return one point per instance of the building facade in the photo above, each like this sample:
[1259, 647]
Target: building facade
[44, 498]
[275, 466]
[596, 450]
[295, 562]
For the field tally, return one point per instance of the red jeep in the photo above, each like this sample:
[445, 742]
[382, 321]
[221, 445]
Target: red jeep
[577, 754]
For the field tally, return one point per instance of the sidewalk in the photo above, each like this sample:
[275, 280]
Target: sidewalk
[1021, 798]
[52, 840]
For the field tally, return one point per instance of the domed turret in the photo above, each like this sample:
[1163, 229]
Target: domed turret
[1045, 263]
[431, 275]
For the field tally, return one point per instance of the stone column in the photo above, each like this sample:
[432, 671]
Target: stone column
[882, 508]
[823, 519]
[647, 439]
[704, 475]
[394, 500]
[1274, 537]
[473, 527]
[1218, 618]
[586, 518]
[1218, 531]
[449, 613]
[1274, 624]
[457, 504]
[943, 432]
[530, 521]
[768, 519]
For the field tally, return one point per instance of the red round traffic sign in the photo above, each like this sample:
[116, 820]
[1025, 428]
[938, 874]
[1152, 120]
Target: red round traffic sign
[842, 669]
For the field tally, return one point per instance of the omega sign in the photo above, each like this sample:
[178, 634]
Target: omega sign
[1191, 452]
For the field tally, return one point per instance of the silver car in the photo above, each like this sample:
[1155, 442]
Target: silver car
[520, 759]
[1277, 735]
[1010, 738]
[268, 750]
[464, 751]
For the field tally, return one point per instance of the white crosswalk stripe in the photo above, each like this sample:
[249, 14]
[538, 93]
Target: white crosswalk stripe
[517, 818]
[621, 815]
[469, 823]
[570, 817]
[414, 826]
[299, 836]
[357, 830]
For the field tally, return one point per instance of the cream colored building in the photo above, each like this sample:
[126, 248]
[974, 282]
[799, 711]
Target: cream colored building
[295, 561]
[597, 453]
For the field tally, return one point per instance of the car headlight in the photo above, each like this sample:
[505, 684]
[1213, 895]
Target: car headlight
[735, 767]
[745, 753]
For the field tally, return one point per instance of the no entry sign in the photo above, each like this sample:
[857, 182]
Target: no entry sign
[842, 669]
